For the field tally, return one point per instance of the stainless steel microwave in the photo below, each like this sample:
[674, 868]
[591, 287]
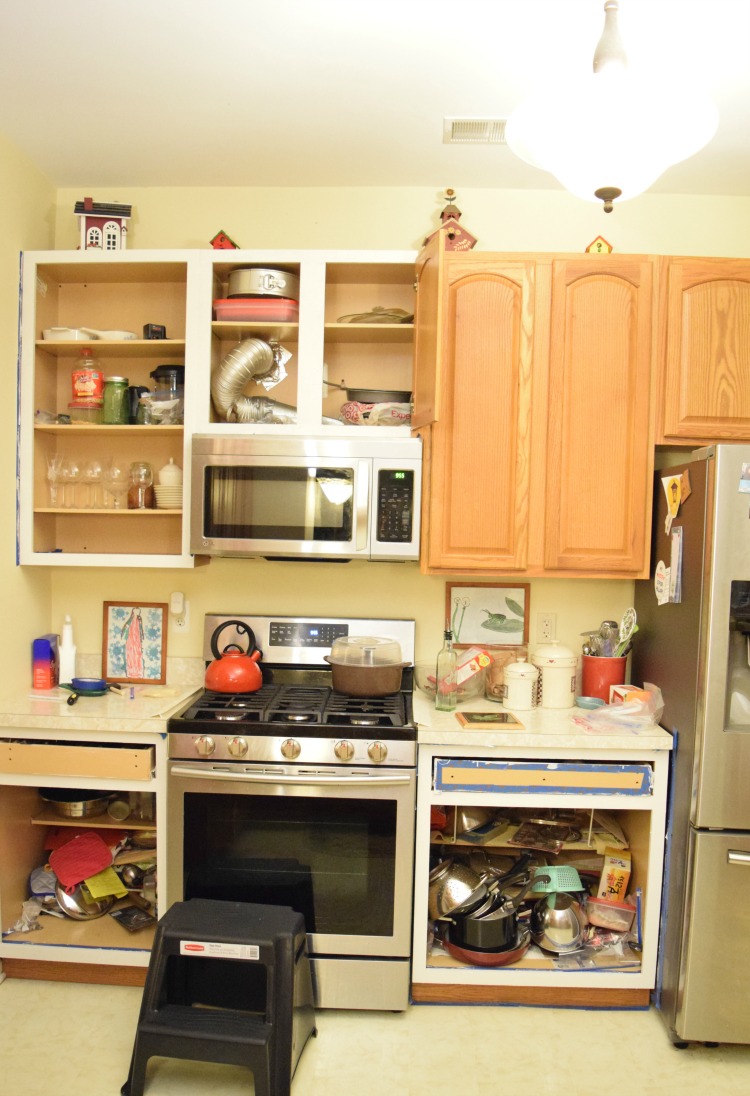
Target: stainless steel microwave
[305, 498]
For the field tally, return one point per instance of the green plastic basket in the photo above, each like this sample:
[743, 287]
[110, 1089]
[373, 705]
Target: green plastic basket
[562, 877]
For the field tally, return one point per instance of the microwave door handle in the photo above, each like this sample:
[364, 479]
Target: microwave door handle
[362, 505]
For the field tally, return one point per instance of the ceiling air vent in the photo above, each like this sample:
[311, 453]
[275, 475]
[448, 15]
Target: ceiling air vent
[474, 131]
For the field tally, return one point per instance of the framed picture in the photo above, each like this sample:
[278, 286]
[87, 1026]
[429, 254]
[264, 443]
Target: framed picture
[488, 613]
[134, 642]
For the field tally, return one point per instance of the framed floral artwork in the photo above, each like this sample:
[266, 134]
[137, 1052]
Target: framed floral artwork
[134, 642]
[482, 614]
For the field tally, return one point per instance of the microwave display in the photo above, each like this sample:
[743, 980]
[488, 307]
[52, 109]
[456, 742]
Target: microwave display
[279, 503]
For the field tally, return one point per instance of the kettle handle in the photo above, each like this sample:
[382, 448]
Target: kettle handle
[242, 629]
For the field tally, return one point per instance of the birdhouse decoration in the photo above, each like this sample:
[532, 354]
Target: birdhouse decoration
[222, 242]
[103, 225]
[457, 238]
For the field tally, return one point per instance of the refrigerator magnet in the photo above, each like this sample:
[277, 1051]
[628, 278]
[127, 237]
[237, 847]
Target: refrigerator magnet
[661, 583]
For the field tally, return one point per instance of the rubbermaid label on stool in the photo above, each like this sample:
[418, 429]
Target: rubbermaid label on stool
[213, 949]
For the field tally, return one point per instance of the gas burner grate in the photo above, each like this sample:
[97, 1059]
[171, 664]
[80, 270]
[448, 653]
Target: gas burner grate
[357, 711]
[298, 704]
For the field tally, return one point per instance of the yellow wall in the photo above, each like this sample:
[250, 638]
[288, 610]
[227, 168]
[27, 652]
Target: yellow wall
[339, 218]
[26, 221]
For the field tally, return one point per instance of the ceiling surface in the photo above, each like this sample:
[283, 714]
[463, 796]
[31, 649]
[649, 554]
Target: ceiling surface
[307, 93]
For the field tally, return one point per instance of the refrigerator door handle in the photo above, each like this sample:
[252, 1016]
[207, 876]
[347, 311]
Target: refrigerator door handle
[734, 856]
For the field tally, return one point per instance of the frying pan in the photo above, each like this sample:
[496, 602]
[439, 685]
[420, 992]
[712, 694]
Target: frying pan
[88, 686]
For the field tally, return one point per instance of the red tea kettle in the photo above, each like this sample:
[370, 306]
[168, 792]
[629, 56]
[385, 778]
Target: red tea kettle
[234, 670]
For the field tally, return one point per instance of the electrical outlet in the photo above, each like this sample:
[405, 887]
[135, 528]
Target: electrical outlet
[182, 620]
[546, 627]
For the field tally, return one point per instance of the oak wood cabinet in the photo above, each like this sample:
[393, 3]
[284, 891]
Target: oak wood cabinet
[533, 399]
[705, 389]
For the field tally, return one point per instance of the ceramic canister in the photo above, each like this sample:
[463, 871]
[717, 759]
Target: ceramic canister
[557, 675]
[520, 686]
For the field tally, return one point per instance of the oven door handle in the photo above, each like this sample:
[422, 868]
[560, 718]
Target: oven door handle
[311, 779]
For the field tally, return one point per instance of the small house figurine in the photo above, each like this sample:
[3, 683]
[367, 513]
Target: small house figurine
[457, 238]
[599, 246]
[103, 225]
[222, 242]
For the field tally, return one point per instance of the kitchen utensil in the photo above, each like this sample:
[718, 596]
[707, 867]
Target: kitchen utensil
[81, 907]
[234, 670]
[557, 923]
[502, 957]
[471, 818]
[82, 856]
[453, 886]
[627, 628]
[365, 665]
[69, 803]
[67, 334]
[492, 929]
[560, 877]
[91, 686]
[259, 281]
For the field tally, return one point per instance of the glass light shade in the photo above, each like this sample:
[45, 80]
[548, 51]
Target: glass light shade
[613, 128]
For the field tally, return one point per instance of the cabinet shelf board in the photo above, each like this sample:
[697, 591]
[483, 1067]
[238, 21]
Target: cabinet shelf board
[78, 268]
[101, 932]
[49, 817]
[71, 511]
[369, 332]
[230, 329]
[96, 428]
[116, 348]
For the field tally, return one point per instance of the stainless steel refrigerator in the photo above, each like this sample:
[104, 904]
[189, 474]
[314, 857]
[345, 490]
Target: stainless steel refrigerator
[696, 650]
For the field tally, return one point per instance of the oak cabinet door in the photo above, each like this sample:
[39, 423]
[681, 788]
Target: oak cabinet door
[706, 393]
[598, 445]
[480, 444]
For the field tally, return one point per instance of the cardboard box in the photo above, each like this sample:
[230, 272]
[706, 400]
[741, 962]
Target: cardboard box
[613, 883]
[45, 662]
[623, 694]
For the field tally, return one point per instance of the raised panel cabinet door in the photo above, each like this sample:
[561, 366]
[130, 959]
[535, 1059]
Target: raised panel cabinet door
[599, 453]
[707, 355]
[427, 321]
[480, 450]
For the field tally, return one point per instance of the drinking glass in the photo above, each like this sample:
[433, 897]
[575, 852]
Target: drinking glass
[70, 475]
[93, 474]
[117, 480]
[141, 478]
[54, 463]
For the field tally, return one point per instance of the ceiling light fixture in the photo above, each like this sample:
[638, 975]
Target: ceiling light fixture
[612, 133]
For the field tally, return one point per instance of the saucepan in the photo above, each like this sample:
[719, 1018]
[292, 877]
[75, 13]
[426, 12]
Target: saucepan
[88, 686]
[494, 929]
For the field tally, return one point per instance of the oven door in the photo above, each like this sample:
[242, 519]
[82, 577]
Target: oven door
[337, 845]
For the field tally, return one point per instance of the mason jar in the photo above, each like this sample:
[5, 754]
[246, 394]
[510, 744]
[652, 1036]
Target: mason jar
[116, 409]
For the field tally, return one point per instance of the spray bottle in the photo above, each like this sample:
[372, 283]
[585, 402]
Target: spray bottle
[67, 653]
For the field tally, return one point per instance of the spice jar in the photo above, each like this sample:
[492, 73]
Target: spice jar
[116, 409]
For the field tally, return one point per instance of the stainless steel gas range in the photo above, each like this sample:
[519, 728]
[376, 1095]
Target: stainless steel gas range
[297, 795]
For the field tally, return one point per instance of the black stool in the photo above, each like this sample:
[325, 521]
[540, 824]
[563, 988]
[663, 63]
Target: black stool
[227, 982]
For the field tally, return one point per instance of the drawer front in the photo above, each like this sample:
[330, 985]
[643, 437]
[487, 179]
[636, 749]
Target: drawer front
[463, 774]
[43, 759]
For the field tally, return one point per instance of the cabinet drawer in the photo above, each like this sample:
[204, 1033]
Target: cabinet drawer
[73, 759]
[462, 774]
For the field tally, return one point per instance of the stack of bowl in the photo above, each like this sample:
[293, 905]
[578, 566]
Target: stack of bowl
[168, 497]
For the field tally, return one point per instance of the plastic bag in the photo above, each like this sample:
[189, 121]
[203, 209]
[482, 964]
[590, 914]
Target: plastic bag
[631, 717]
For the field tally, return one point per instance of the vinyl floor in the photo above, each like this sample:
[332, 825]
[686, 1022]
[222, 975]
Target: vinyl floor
[76, 1040]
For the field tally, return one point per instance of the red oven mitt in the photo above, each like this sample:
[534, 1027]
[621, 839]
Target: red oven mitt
[85, 855]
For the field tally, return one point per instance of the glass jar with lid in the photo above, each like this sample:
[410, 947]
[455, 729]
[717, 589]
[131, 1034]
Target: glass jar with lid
[116, 409]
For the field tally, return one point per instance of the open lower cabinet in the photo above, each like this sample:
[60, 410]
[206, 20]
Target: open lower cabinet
[593, 801]
[32, 827]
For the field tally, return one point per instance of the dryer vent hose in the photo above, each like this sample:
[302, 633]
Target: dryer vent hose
[253, 358]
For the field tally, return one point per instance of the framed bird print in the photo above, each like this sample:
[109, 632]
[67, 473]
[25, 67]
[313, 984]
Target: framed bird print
[485, 614]
[134, 642]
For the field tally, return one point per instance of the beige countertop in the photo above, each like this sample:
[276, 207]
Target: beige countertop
[115, 713]
[543, 729]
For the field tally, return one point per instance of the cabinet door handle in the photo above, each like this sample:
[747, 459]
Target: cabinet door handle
[734, 856]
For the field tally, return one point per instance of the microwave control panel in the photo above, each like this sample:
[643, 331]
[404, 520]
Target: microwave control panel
[395, 505]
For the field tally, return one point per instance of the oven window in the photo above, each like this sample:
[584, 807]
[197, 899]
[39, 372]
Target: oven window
[333, 860]
[275, 503]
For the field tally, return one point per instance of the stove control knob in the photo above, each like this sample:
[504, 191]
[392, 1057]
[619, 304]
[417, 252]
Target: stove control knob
[290, 749]
[344, 750]
[205, 745]
[377, 751]
[237, 747]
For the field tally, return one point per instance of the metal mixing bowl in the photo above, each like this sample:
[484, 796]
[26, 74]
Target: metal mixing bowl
[557, 923]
